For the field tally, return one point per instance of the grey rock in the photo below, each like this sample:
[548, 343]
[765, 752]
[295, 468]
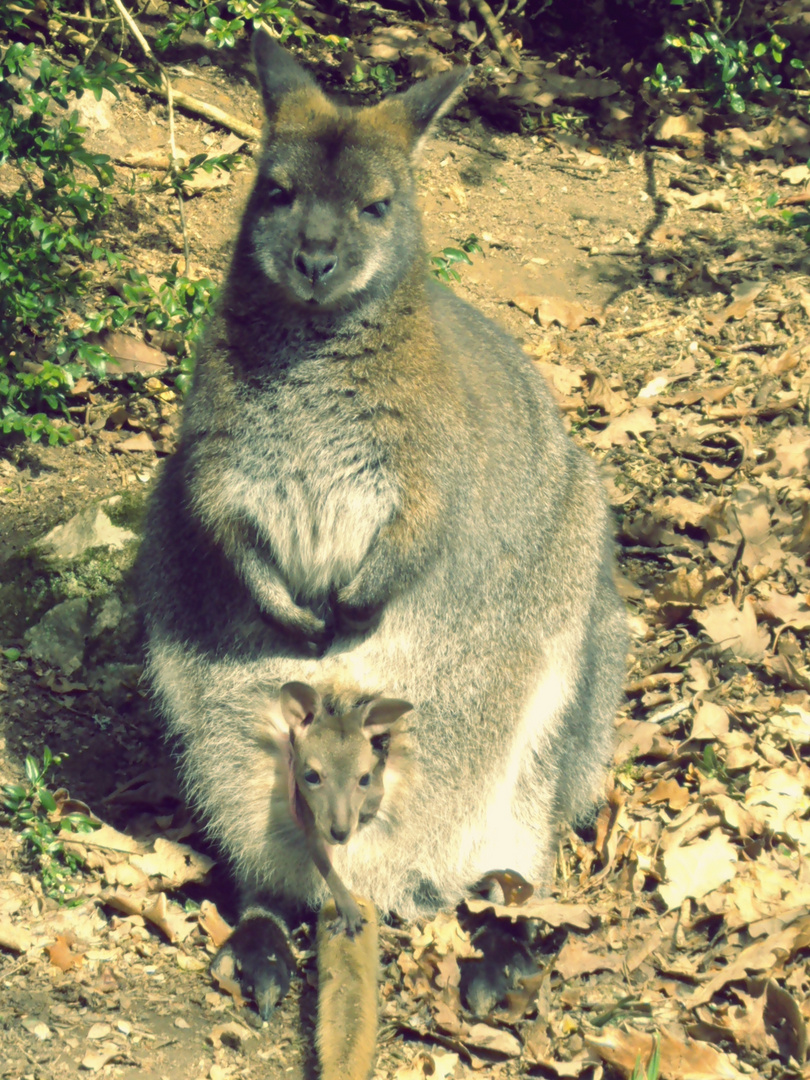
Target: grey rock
[91, 528]
[60, 636]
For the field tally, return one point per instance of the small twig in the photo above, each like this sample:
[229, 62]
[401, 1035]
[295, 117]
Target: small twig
[480, 147]
[167, 86]
[491, 22]
[182, 101]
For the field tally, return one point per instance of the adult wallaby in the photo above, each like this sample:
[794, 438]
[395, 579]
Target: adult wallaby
[336, 778]
[373, 489]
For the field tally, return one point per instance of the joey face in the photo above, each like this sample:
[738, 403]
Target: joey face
[332, 215]
[334, 774]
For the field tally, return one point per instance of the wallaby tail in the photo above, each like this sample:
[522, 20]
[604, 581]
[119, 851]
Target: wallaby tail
[347, 996]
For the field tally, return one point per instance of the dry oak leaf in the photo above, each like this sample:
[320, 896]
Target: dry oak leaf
[617, 433]
[492, 1040]
[761, 956]
[689, 1060]
[177, 864]
[548, 911]
[61, 953]
[697, 869]
[711, 722]
[14, 938]
[441, 936]
[574, 959]
[213, 924]
[547, 310]
[734, 629]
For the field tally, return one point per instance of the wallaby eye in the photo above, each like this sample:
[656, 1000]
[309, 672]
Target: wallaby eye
[365, 780]
[275, 195]
[312, 778]
[378, 209]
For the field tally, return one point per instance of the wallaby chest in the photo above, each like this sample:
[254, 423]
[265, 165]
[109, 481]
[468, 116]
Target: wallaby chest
[311, 472]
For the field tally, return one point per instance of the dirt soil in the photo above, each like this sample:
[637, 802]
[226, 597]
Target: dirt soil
[671, 314]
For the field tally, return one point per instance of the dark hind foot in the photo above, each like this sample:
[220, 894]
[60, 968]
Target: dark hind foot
[257, 956]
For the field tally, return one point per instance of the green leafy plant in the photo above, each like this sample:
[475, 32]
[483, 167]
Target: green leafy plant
[32, 809]
[444, 264]
[170, 302]
[222, 24]
[48, 224]
[384, 76]
[652, 1070]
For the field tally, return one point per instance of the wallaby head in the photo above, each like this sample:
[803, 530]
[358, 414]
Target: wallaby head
[332, 218]
[334, 761]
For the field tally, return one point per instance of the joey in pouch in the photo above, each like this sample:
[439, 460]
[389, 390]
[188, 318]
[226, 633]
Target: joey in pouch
[373, 489]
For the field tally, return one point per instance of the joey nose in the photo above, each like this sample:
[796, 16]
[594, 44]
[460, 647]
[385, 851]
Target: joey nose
[340, 836]
[315, 267]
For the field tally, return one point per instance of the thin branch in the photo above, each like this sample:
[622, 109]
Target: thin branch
[191, 104]
[167, 86]
[498, 36]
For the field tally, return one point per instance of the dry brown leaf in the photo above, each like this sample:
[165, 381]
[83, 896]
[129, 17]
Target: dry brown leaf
[711, 722]
[231, 1034]
[62, 955]
[176, 864]
[441, 936]
[734, 629]
[547, 310]
[697, 869]
[213, 924]
[670, 792]
[492, 1040]
[140, 443]
[548, 911]
[761, 956]
[516, 890]
[617, 433]
[133, 354]
[680, 1060]
[574, 959]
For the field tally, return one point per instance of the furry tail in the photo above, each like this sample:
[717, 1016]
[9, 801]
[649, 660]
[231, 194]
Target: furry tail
[347, 996]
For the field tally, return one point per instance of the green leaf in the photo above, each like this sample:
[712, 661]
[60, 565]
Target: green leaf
[47, 800]
[32, 769]
[12, 654]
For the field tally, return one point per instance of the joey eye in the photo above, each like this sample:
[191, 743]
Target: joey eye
[377, 209]
[275, 195]
[364, 780]
[312, 778]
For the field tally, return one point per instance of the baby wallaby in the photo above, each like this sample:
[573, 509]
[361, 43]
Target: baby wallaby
[336, 777]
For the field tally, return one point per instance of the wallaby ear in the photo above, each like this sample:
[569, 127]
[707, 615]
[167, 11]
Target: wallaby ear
[300, 704]
[279, 72]
[431, 98]
[381, 715]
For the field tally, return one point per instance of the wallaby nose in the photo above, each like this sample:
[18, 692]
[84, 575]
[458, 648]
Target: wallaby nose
[315, 267]
[340, 836]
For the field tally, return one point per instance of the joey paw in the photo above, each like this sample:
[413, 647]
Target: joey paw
[258, 957]
[347, 924]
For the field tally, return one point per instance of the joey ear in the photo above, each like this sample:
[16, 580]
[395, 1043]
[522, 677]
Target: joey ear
[300, 704]
[429, 99]
[279, 72]
[382, 713]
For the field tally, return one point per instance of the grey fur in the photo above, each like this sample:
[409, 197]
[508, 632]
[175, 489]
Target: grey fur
[373, 490]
